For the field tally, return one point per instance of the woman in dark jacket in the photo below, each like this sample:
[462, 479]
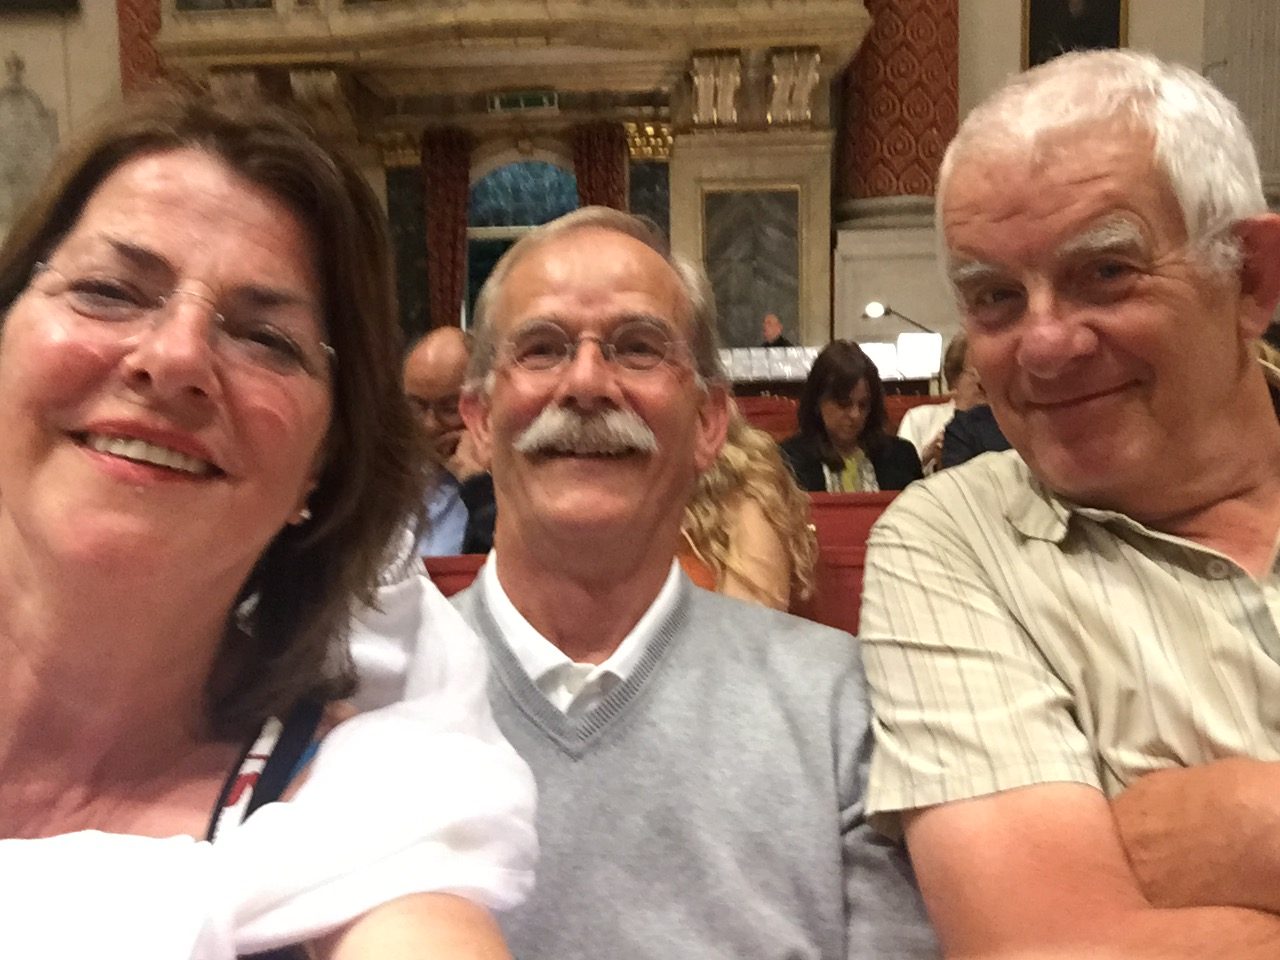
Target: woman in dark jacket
[843, 446]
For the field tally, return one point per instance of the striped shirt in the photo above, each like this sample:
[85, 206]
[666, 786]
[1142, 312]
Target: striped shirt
[1011, 638]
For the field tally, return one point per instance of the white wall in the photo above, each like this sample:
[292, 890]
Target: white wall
[73, 60]
[72, 64]
[991, 39]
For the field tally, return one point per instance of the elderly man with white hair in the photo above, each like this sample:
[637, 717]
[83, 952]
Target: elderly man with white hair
[1074, 652]
[699, 760]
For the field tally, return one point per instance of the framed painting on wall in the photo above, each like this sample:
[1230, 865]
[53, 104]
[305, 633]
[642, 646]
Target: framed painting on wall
[751, 248]
[38, 6]
[1051, 27]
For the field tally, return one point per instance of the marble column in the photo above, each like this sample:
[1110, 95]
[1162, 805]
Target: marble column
[900, 100]
[900, 111]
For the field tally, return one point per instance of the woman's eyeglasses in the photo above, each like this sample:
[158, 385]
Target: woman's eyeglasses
[122, 309]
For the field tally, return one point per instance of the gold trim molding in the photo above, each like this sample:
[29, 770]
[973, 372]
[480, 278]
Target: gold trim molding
[648, 140]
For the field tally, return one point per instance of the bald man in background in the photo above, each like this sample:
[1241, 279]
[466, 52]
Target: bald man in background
[460, 504]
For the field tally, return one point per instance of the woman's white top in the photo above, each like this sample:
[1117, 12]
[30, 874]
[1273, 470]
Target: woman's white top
[420, 796]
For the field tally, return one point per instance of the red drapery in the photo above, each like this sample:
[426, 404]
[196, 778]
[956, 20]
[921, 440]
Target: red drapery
[138, 23]
[446, 174]
[600, 163]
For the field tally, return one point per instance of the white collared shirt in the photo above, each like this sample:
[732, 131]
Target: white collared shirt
[573, 687]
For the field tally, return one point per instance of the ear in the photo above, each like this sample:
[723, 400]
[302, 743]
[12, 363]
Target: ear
[474, 407]
[1259, 272]
[713, 425]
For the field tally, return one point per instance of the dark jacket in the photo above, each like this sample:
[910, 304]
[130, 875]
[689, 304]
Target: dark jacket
[482, 512]
[896, 463]
[970, 433]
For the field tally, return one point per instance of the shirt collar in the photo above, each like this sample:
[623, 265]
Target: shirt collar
[539, 657]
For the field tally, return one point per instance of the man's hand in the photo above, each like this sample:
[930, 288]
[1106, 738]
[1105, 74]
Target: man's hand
[1206, 835]
[930, 456]
[465, 461]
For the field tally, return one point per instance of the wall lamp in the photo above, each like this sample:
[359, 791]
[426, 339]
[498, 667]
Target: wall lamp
[875, 310]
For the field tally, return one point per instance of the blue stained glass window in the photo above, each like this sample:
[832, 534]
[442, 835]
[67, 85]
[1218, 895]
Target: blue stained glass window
[522, 194]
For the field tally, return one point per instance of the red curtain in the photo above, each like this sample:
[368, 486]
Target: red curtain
[600, 163]
[446, 174]
[138, 23]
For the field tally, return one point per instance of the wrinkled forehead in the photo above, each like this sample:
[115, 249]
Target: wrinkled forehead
[1079, 150]
[591, 275]
[1058, 184]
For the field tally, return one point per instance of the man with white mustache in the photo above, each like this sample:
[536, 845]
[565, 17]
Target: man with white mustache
[700, 760]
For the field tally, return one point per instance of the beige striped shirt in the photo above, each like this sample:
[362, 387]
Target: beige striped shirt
[1012, 639]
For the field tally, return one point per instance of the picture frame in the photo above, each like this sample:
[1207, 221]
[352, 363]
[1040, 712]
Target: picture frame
[39, 6]
[1051, 27]
[751, 248]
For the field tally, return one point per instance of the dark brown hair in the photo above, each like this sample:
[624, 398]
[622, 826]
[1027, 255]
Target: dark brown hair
[287, 641]
[839, 368]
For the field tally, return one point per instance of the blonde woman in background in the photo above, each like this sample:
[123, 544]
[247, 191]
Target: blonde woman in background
[746, 529]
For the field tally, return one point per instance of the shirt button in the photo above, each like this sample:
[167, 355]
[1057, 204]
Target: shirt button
[1217, 569]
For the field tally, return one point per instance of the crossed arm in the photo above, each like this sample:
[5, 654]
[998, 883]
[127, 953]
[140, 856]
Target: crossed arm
[1044, 871]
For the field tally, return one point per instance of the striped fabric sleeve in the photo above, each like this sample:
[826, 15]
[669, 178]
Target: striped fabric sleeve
[965, 703]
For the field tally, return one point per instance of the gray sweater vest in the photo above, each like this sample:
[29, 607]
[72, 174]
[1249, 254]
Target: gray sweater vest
[711, 805]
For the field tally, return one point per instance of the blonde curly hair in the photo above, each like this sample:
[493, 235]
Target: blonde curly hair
[750, 467]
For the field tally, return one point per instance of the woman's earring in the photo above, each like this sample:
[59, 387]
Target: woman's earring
[301, 517]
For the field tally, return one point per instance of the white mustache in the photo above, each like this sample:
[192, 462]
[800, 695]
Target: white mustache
[561, 430]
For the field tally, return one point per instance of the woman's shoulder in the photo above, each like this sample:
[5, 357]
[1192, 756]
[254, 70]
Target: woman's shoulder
[799, 446]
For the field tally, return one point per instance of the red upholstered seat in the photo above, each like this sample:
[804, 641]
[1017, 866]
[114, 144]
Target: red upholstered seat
[776, 416]
[842, 522]
[453, 574]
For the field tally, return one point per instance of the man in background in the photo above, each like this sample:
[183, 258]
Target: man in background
[460, 503]
[771, 330]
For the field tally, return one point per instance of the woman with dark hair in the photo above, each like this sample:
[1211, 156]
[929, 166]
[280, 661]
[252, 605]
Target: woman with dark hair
[843, 446]
[207, 460]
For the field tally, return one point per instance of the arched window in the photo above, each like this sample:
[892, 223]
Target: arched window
[506, 203]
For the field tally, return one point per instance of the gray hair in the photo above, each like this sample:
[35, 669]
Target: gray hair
[693, 280]
[1200, 140]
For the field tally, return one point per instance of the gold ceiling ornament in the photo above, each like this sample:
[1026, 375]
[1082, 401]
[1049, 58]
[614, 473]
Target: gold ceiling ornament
[648, 140]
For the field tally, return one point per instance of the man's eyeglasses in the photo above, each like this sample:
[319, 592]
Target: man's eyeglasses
[636, 345]
[445, 410]
[122, 310]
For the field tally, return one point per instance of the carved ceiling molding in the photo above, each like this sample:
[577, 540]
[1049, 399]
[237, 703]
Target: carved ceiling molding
[716, 79]
[793, 83]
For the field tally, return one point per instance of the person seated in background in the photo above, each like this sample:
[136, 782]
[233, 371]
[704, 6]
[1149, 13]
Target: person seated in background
[843, 445]
[746, 529]
[207, 452]
[1073, 646]
[771, 330]
[699, 758]
[923, 425]
[459, 507]
[971, 433]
